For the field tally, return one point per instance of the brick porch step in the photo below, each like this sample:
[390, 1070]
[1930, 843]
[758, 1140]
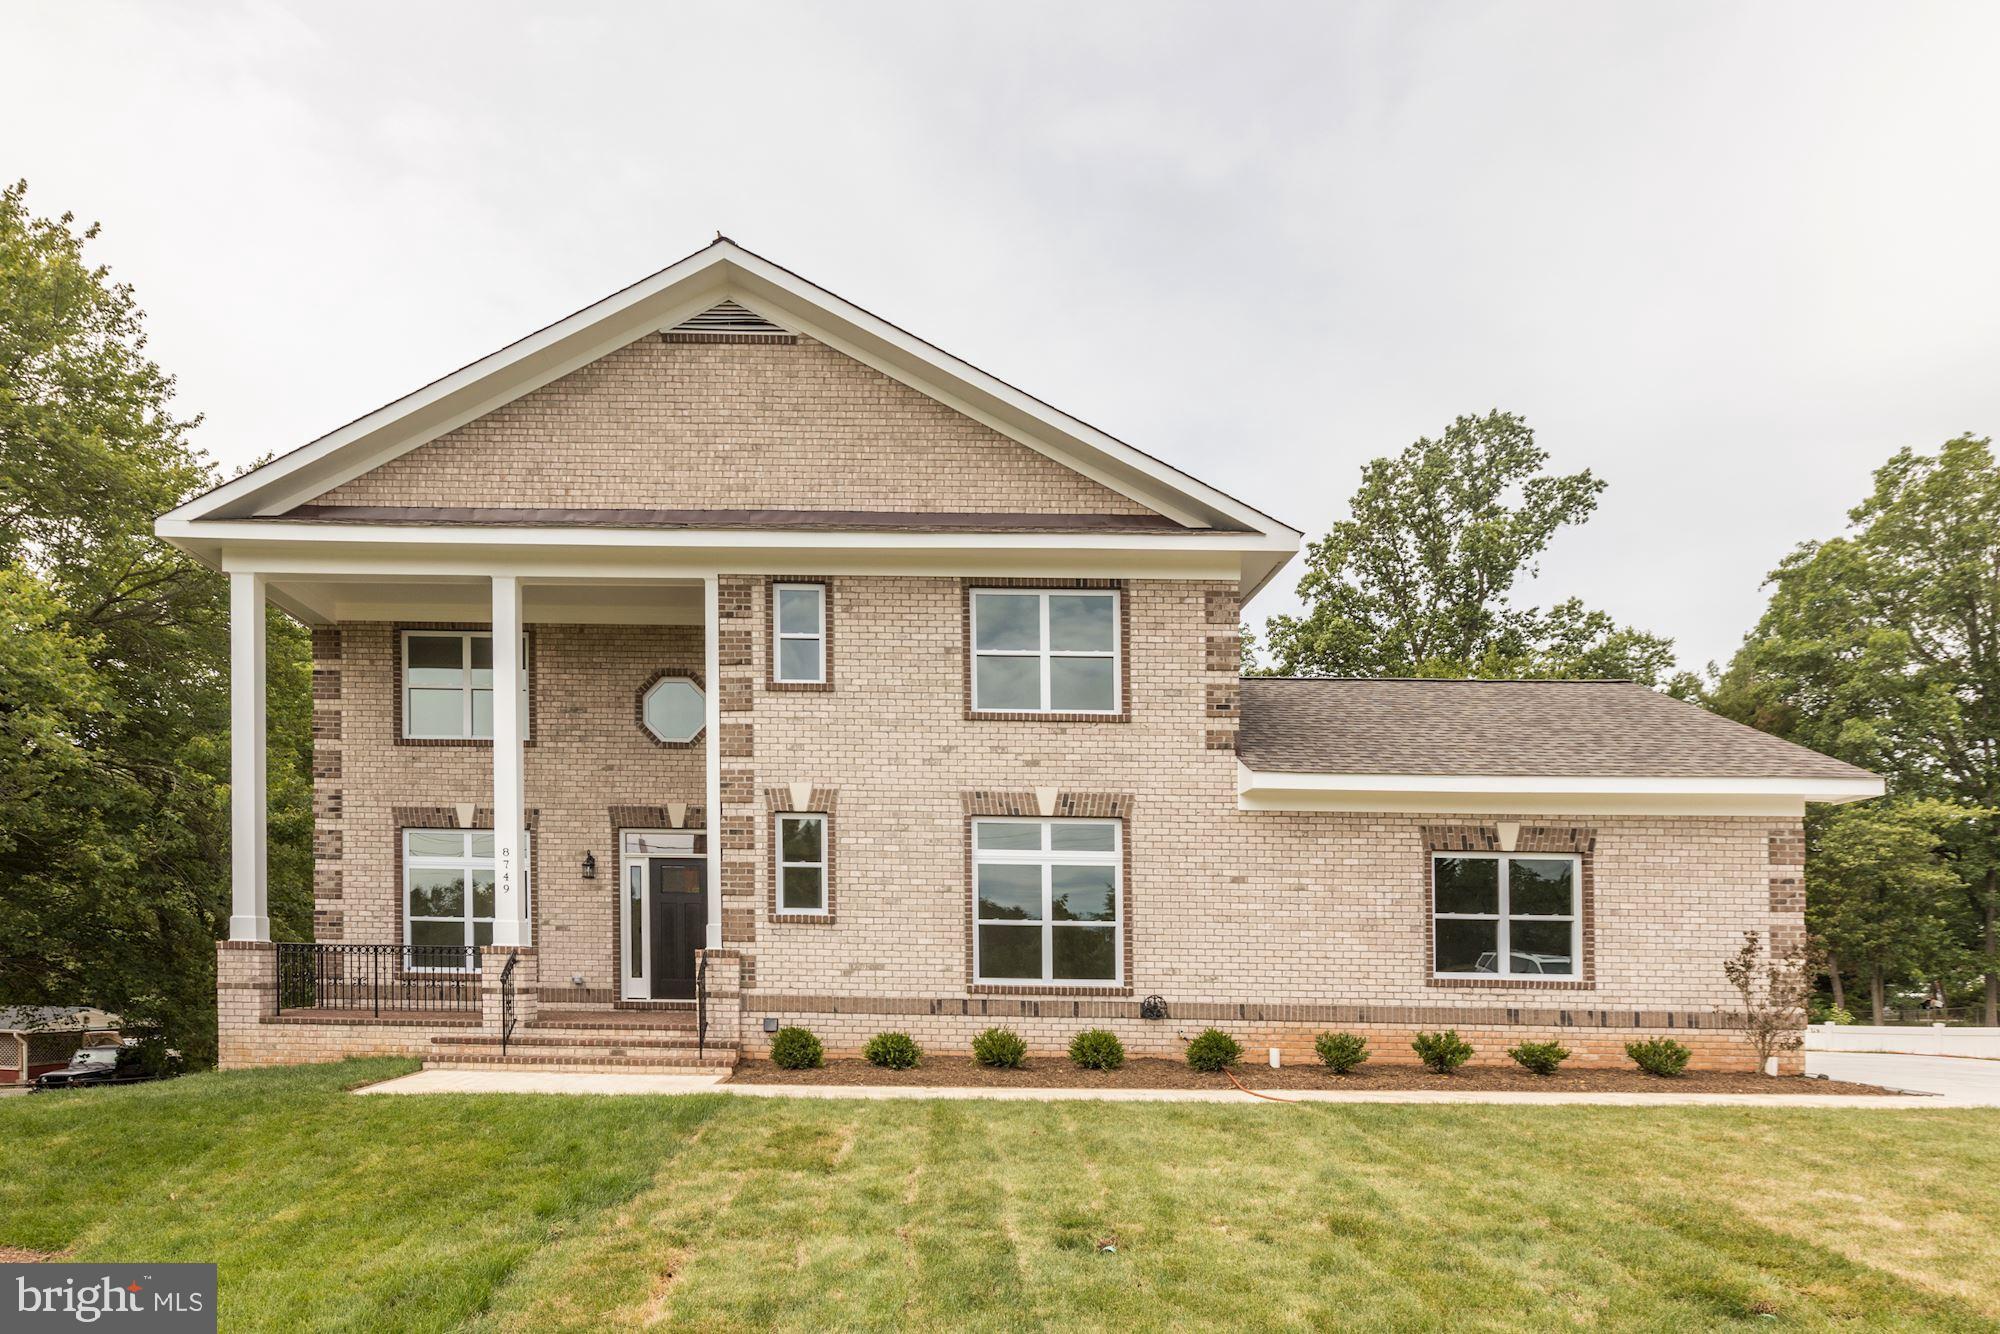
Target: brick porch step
[624, 1021]
[533, 1038]
[583, 1042]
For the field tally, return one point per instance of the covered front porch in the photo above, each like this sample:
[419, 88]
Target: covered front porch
[484, 855]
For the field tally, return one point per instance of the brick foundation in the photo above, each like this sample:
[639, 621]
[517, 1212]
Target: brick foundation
[248, 1033]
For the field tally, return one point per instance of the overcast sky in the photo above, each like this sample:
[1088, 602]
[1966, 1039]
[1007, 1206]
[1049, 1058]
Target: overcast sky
[1728, 257]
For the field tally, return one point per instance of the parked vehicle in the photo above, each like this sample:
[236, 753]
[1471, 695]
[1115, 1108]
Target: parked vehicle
[103, 1065]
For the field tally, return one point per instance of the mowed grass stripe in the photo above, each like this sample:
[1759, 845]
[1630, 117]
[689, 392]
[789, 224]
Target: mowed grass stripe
[709, 1212]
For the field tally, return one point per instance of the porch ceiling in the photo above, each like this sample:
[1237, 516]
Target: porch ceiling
[574, 602]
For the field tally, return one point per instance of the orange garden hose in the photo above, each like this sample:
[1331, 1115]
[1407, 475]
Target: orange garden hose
[1252, 1092]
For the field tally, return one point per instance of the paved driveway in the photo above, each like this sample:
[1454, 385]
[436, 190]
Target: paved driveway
[1961, 1077]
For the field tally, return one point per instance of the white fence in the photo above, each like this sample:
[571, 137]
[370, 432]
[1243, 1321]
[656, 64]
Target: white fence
[1933, 1040]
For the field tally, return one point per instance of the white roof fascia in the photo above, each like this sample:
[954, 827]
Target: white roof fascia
[584, 535]
[687, 287]
[1448, 792]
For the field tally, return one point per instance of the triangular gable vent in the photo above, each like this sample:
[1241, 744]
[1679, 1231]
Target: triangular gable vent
[727, 321]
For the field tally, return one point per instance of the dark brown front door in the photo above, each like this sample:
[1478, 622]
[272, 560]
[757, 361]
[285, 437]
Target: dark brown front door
[680, 923]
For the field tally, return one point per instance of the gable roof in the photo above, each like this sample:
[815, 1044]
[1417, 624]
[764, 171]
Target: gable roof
[1521, 729]
[689, 289]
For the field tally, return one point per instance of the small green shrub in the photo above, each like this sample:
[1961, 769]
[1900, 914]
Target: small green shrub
[894, 1051]
[1001, 1048]
[1097, 1049]
[1341, 1052]
[1539, 1058]
[1213, 1050]
[1820, 1010]
[1442, 1052]
[1659, 1056]
[797, 1049]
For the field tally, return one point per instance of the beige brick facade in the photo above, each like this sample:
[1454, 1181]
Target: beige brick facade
[1277, 924]
[707, 426]
[587, 756]
[1272, 925]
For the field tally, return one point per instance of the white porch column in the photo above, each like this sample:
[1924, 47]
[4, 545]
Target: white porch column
[711, 675]
[509, 722]
[249, 894]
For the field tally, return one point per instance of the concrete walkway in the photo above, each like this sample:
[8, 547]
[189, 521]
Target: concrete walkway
[540, 1081]
[509, 1081]
[1964, 1079]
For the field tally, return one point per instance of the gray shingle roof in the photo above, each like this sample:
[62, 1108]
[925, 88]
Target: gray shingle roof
[53, 1018]
[1594, 729]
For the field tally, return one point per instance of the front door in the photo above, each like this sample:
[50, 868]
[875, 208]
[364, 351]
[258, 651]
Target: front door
[679, 901]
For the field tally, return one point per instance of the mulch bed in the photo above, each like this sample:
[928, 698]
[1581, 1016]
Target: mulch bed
[963, 1072]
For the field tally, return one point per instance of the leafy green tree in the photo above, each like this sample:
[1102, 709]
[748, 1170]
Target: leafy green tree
[114, 854]
[1882, 646]
[1417, 580]
[1884, 893]
[48, 695]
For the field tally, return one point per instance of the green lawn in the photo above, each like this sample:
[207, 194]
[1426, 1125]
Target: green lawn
[535, 1213]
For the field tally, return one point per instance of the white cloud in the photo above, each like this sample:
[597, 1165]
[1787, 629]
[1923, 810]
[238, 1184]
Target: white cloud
[1729, 257]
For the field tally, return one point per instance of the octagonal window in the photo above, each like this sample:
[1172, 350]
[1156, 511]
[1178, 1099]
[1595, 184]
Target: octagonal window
[673, 709]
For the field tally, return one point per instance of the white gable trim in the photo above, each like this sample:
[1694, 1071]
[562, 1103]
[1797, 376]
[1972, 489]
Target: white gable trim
[721, 271]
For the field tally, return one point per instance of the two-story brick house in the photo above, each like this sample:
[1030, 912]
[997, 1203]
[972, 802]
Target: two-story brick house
[860, 689]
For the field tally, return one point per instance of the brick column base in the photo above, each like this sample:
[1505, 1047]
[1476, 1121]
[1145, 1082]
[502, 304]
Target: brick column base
[725, 993]
[527, 985]
[246, 990]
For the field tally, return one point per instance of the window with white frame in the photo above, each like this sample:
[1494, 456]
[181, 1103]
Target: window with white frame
[800, 846]
[1045, 651]
[1505, 916]
[798, 634]
[448, 684]
[1045, 901]
[448, 898]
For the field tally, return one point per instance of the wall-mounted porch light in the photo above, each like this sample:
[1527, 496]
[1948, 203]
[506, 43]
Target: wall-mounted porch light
[590, 866]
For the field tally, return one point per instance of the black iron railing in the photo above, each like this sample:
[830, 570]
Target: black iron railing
[701, 1005]
[507, 1001]
[378, 979]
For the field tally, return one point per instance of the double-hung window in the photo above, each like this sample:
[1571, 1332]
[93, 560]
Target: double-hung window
[1505, 916]
[800, 845]
[798, 634]
[1045, 901]
[448, 684]
[1045, 652]
[448, 898]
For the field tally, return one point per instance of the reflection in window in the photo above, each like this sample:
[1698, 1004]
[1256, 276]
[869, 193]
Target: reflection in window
[448, 898]
[1046, 900]
[800, 842]
[448, 684]
[798, 634]
[1504, 916]
[1044, 652]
